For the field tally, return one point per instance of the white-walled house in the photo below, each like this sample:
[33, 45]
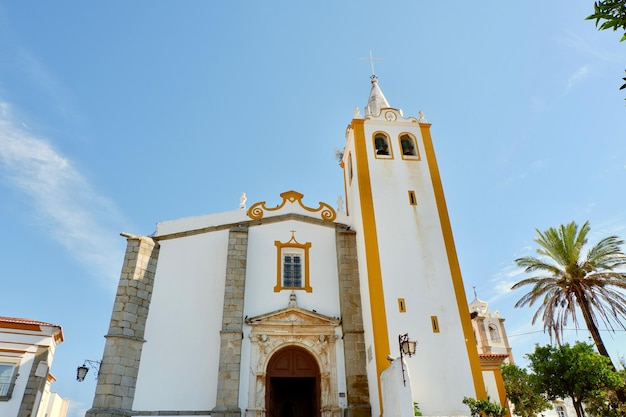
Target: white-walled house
[26, 352]
[293, 309]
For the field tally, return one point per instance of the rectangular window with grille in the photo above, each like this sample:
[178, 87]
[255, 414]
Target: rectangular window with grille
[7, 380]
[292, 270]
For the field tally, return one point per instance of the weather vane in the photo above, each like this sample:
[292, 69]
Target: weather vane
[371, 59]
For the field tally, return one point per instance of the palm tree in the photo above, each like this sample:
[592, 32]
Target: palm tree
[566, 281]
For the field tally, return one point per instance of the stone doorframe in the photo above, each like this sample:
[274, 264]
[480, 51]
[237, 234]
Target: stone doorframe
[293, 326]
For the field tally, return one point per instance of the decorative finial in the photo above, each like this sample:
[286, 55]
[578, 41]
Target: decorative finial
[242, 201]
[340, 204]
[357, 113]
[292, 299]
[474, 288]
[421, 118]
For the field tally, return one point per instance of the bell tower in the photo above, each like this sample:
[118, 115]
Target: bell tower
[410, 276]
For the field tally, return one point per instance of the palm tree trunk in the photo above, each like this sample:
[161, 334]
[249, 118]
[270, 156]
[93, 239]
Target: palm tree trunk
[592, 327]
[595, 335]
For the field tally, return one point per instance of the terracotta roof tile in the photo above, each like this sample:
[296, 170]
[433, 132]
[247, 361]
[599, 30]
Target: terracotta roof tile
[493, 356]
[29, 324]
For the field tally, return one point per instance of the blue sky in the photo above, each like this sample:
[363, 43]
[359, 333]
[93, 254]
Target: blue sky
[117, 115]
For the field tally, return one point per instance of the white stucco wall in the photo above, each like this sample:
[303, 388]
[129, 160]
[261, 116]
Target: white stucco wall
[182, 332]
[414, 266]
[490, 386]
[52, 405]
[261, 278]
[11, 407]
[179, 362]
[396, 390]
[262, 268]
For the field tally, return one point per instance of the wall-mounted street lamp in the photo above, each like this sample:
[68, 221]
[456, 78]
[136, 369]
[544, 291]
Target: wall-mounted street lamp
[407, 348]
[81, 371]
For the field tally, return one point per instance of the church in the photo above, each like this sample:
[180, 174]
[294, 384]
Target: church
[298, 309]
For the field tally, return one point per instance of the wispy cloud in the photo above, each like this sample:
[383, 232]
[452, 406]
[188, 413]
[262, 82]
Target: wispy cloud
[583, 47]
[535, 168]
[504, 279]
[578, 76]
[76, 215]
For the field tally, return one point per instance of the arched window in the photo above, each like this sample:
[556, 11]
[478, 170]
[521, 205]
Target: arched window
[381, 145]
[350, 172]
[408, 146]
[493, 333]
[560, 410]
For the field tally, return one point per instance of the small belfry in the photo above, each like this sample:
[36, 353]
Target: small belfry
[493, 346]
[205, 320]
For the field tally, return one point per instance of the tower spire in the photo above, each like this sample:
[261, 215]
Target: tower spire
[376, 100]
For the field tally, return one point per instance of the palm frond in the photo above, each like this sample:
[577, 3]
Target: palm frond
[567, 282]
[607, 254]
[531, 264]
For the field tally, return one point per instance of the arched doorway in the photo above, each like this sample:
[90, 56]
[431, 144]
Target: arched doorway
[293, 384]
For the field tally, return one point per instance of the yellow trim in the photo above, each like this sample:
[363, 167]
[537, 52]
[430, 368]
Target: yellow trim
[453, 262]
[385, 134]
[347, 183]
[497, 373]
[292, 243]
[415, 157]
[257, 210]
[434, 321]
[372, 255]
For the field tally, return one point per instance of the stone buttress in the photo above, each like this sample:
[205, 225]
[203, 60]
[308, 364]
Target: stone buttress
[227, 399]
[117, 377]
[352, 321]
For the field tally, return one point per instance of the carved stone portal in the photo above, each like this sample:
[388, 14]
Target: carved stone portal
[296, 327]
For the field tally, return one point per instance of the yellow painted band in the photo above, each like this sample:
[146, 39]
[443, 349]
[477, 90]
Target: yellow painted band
[501, 391]
[453, 262]
[374, 274]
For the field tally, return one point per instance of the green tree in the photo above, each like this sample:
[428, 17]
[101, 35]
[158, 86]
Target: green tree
[610, 14]
[608, 404]
[525, 395]
[578, 372]
[567, 281]
[484, 407]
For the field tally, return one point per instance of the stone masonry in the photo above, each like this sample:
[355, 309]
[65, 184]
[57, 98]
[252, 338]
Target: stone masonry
[34, 386]
[227, 401]
[117, 377]
[352, 321]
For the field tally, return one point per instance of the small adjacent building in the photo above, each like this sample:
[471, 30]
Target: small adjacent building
[26, 352]
[493, 347]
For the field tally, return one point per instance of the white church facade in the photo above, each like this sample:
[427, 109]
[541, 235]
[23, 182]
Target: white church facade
[295, 310]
